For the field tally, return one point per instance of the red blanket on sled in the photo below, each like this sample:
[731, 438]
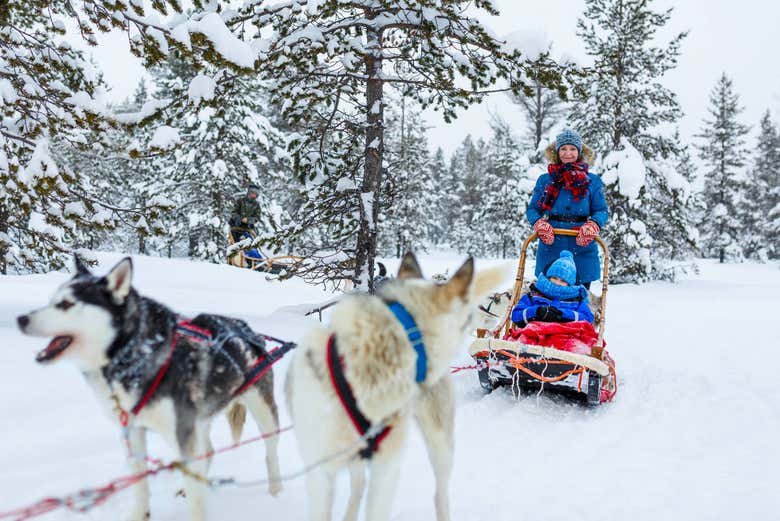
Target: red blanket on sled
[575, 337]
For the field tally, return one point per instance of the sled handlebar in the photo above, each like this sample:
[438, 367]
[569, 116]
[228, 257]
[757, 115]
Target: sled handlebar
[521, 272]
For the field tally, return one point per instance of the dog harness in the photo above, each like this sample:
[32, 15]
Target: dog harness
[415, 338]
[264, 363]
[185, 328]
[348, 401]
[344, 390]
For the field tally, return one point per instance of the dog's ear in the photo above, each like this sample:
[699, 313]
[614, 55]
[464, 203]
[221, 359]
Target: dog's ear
[382, 269]
[118, 279]
[79, 267]
[458, 285]
[410, 268]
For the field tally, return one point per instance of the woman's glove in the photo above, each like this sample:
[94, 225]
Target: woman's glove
[545, 231]
[587, 233]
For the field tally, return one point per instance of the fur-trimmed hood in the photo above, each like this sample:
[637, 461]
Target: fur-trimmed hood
[588, 155]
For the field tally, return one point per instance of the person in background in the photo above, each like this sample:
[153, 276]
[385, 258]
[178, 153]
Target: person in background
[247, 212]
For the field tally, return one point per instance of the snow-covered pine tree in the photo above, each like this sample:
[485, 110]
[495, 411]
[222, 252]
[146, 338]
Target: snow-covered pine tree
[408, 204]
[438, 176]
[466, 187]
[542, 111]
[222, 144]
[722, 151]
[499, 225]
[620, 111]
[332, 61]
[47, 90]
[763, 194]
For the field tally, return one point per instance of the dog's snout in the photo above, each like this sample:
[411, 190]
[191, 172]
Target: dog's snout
[23, 320]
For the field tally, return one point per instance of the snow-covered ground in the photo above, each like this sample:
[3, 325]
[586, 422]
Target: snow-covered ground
[692, 433]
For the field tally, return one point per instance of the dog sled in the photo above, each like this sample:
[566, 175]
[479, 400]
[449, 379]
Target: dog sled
[254, 258]
[528, 362]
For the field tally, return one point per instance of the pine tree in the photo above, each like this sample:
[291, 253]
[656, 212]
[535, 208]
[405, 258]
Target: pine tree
[619, 112]
[763, 195]
[723, 153]
[498, 226]
[466, 186]
[48, 91]
[543, 110]
[438, 176]
[332, 62]
[409, 201]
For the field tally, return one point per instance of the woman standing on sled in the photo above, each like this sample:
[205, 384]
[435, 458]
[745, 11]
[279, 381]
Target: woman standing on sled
[568, 196]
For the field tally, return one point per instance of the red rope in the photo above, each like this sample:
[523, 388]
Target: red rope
[86, 499]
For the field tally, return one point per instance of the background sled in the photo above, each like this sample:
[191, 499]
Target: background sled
[254, 258]
[590, 377]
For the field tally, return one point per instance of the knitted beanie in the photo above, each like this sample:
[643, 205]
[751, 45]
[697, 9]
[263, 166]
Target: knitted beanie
[564, 268]
[568, 137]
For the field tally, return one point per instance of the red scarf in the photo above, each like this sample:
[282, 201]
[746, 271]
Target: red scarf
[571, 176]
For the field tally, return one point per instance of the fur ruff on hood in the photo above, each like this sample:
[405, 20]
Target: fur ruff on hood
[587, 153]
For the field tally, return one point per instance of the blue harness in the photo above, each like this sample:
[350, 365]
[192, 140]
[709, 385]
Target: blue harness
[415, 337]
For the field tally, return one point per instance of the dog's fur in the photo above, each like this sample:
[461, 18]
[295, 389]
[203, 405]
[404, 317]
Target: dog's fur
[379, 364]
[120, 340]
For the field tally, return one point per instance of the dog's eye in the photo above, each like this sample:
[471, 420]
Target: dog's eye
[64, 305]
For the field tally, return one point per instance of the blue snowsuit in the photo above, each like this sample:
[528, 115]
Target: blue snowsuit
[568, 213]
[571, 309]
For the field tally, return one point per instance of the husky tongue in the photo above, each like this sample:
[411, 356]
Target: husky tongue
[57, 345]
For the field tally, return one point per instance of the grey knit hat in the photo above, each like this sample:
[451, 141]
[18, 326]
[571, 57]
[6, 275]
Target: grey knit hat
[568, 137]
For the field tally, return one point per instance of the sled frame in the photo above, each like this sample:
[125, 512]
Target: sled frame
[506, 324]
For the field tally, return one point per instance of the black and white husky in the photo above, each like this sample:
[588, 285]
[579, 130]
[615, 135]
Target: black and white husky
[135, 352]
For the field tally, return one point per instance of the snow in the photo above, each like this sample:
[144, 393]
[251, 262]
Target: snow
[224, 41]
[626, 167]
[691, 434]
[164, 137]
[531, 43]
[201, 88]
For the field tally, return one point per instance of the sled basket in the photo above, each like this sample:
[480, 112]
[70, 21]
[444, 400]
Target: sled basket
[254, 258]
[590, 376]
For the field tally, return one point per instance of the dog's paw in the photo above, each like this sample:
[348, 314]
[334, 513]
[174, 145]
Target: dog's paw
[275, 488]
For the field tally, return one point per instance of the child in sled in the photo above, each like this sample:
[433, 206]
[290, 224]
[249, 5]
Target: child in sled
[555, 296]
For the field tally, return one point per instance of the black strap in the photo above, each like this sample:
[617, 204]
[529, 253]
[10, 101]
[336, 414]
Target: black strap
[568, 218]
[347, 397]
[263, 364]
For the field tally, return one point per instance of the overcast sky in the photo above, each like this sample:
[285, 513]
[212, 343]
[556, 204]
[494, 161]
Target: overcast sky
[736, 37]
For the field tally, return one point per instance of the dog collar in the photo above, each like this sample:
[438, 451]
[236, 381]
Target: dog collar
[415, 337]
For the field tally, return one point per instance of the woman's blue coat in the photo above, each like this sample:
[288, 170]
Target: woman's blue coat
[593, 205]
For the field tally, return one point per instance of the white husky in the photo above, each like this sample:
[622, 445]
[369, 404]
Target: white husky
[380, 366]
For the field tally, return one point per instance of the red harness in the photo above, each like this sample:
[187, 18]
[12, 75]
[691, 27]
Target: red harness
[184, 328]
[348, 401]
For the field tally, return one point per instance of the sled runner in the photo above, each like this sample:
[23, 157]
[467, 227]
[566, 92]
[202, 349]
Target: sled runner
[563, 358]
[254, 258]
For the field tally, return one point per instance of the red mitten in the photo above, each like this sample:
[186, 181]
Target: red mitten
[545, 231]
[587, 233]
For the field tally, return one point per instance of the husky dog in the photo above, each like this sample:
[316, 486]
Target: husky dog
[122, 342]
[491, 310]
[380, 364]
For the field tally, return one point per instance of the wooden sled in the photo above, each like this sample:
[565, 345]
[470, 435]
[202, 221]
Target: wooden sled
[588, 377]
[265, 263]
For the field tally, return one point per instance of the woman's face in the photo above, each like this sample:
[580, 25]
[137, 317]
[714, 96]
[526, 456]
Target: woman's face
[568, 153]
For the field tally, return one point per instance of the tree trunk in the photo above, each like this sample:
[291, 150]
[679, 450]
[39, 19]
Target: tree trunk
[365, 254]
